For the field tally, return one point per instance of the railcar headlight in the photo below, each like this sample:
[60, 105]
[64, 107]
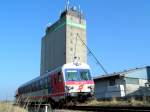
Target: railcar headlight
[91, 87]
[68, 88]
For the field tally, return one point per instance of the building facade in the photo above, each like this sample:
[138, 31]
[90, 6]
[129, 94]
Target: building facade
[134, 82]
[62, 41]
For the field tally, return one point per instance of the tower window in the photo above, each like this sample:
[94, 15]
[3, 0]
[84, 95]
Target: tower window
[71, 49]
[71, 18]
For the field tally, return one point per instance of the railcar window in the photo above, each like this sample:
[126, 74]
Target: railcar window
[55, 79]
[72, 75]
[29, 88]
[40, 84]
[32, 87]
[26, 89]
[45, 82]
[48, 80]
[59, 77]
[22, 90]
[85, 75]
[36, 86]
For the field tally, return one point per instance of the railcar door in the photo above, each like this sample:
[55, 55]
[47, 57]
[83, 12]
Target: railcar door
[53, 83]
[60, 83]
[57, 84]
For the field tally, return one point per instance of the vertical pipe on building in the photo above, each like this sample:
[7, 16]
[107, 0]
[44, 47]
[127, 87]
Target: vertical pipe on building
[46, 108]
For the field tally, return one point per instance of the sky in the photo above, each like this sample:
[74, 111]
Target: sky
[118, 33]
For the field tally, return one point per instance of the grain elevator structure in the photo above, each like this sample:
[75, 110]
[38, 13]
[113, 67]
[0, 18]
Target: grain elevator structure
[62, 41]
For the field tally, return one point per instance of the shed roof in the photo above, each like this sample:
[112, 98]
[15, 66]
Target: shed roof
[108, 76]
[118, 74]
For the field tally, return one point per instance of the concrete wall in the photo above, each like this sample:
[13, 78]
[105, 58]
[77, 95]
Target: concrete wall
[138, 78]
[131, 88]
[53, 47]
[75, 27]
[135, 89]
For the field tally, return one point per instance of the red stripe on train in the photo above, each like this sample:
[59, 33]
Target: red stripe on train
[79, 82]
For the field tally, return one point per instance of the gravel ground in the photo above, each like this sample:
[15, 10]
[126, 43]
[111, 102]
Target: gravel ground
[67, 111]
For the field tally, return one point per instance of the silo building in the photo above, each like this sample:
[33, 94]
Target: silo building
[64, 40]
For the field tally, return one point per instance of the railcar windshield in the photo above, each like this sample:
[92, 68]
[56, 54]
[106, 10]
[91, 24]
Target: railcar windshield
[72, 75]
[78, 74]
[85, 75]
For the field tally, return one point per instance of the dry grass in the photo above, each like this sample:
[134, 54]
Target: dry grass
[8, 107]
[114, 102]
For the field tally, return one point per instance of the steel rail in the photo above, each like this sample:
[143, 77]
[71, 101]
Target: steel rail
[109, 109]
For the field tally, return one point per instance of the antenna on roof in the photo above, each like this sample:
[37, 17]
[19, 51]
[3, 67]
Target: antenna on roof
[68, 3]
[79, 13]
[79, 10]
[79, 7]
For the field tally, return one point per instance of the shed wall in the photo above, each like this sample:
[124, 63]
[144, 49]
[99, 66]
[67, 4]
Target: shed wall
[104, 90]
[148, 73]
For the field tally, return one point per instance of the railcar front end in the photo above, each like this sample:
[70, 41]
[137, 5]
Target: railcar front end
[79, 84]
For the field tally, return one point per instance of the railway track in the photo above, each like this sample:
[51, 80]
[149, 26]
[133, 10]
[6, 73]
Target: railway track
[41, 108]
[109, 109]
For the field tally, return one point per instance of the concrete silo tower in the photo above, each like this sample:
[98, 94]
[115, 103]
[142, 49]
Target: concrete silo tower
[60, 43]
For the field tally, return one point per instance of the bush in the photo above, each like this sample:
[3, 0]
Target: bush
[8, 107]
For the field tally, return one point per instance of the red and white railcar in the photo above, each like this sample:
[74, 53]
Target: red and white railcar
[71, 81]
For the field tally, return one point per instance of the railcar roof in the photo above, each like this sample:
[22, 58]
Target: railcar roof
[39, 77]
[72, 65]
[65, 66]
